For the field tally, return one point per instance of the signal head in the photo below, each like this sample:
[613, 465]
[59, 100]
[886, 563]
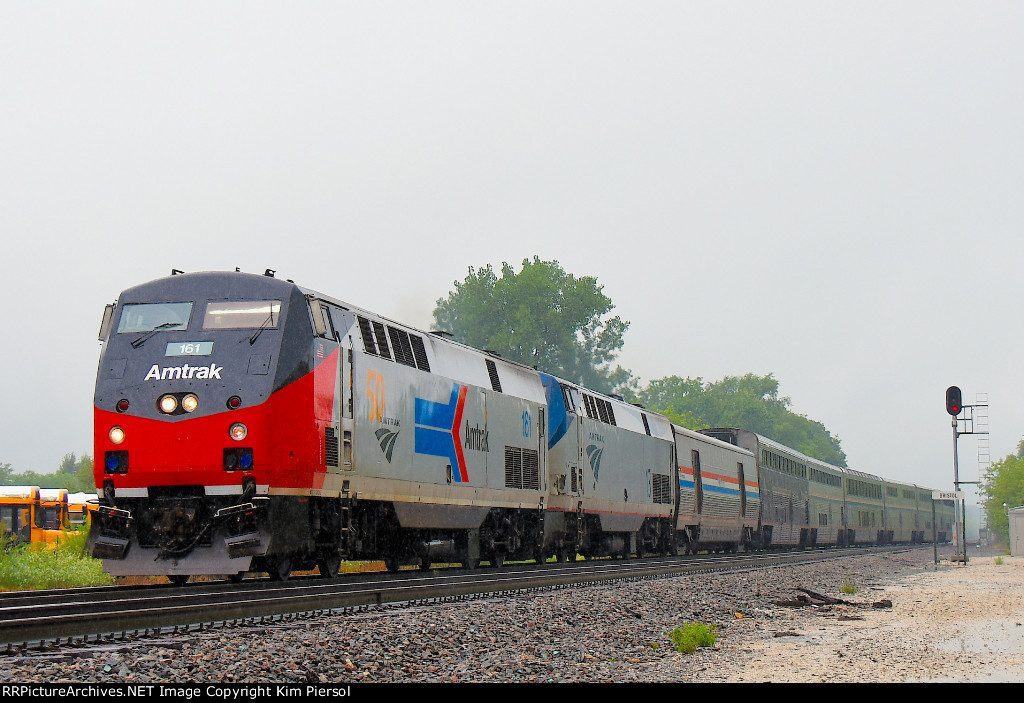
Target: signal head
[954, 403]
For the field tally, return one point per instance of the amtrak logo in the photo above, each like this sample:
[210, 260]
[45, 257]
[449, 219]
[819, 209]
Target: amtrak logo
[173, 373]
[594, 453]
[476, 438]
[387, 440]
[438, 426]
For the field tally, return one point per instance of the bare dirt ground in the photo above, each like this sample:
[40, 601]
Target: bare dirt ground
[950, 623]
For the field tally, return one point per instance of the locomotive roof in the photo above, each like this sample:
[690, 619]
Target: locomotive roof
[226, 284]
[659, 425]
[436, 335]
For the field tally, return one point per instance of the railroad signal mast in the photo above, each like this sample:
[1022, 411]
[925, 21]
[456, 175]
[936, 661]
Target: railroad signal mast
[956, 408]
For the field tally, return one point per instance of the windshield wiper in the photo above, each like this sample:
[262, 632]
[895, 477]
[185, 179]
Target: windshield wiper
[269, 320]
[142, 340]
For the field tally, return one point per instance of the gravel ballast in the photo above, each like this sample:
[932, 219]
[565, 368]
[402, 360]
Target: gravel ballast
[945, 622]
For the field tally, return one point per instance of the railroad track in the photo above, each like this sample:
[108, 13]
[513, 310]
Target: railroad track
[34, 619]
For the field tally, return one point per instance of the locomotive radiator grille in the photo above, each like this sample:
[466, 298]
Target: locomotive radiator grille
[661, 488]
[522, 468]
[330, 447]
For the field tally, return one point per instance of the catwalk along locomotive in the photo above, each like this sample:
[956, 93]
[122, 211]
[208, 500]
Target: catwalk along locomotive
[243, 423]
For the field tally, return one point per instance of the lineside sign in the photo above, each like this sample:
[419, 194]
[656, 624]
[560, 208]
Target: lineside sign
[947, 495]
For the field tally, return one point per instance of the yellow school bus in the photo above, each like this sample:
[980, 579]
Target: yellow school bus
[30, 514]
[79, 505]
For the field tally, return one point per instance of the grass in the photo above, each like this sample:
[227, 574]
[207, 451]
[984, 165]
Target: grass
[848, 588]
[36, 566]
[692, 635]
[999, 561]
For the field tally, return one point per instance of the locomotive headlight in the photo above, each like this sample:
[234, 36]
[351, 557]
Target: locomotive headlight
[116, 435]
[189, 403]
[168, 404]
[238, 431]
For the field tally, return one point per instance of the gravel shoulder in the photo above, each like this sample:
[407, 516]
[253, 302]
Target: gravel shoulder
[946, 623]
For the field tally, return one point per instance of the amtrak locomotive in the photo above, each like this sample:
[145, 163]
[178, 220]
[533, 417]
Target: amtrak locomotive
[243, 423]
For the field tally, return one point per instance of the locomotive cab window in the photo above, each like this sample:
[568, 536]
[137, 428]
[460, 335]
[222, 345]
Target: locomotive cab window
[240, 315]
[329, 330]
[146, 317]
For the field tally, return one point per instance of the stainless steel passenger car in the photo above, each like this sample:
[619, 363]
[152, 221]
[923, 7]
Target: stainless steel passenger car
[719, 493]
[782, 475]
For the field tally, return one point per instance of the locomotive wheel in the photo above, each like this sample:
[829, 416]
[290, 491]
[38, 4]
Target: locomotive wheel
[497, 560]
[178, 579]
[328, 562]
[280, 568]
[425, 564]
[236, 578]
[392, 564]
[471, 564]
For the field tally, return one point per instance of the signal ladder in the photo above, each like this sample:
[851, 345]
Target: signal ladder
[981, 429]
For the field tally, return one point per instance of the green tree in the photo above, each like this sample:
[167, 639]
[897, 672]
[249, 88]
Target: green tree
[1003, 483]
[31, 478]
[67, 464]
[83, 480]
[747, 402]
[676, 398]
[541, 317]
[74, 474]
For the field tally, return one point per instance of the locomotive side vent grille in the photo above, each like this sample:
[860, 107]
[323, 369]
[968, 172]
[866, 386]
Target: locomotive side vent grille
[522, 468]
[330, 447]
[382, 340]
[420, 352]
[611, 412]
[531, 469]
[513, 467]
[492, 371]
[367, 334]
[601, 410]
[662, 488]
[403, 349]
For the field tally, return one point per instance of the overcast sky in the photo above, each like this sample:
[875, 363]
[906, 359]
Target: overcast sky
[827, 191]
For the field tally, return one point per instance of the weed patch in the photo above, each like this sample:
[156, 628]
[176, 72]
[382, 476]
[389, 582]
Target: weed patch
[34, 566]
[692, 635]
